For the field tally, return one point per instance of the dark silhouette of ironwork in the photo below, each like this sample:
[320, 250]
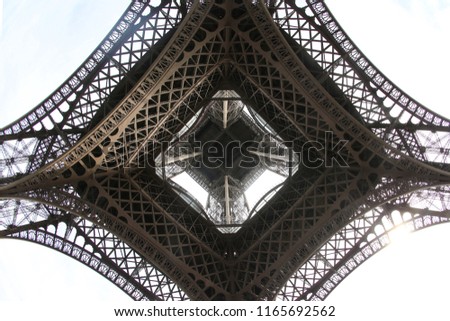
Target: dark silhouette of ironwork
[91, 171]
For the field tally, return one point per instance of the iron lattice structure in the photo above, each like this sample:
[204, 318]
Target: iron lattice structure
[72, 175]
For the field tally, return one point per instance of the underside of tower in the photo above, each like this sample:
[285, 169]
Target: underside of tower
[224, 150]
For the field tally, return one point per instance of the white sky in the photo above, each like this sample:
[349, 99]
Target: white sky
[43, 42]
[261, 186]
[188, 183]
[1, 16]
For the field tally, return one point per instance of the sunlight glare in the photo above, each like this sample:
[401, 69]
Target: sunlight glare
[399, 234]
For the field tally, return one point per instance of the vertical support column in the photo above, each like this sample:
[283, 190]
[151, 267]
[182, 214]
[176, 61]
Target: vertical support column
[225, 113]
[163, 164]
[227, 202]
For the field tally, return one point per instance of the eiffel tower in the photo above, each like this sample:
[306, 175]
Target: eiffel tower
[219, 95]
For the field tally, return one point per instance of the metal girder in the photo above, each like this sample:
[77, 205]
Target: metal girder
[103, 252]
[388, 111]
[351, 247]
[295, 67]
[54, 126]
[131, 236]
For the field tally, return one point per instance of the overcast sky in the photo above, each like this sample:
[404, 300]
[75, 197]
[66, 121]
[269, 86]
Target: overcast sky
[43, 42]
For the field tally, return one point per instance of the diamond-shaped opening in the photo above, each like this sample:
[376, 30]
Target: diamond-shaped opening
[226, 162]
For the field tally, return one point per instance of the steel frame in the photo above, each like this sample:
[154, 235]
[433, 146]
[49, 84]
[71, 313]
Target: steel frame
[74, 176]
